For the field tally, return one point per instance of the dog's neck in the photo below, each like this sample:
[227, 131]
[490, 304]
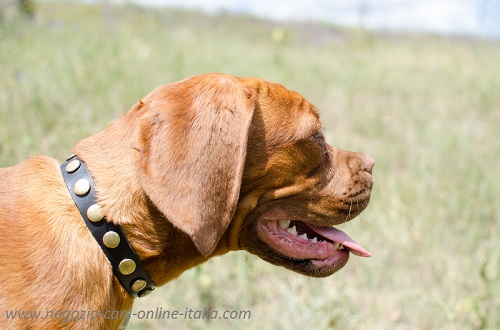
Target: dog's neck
[124, 203]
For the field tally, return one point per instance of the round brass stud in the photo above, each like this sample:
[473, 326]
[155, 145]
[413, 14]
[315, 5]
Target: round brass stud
[81, 187]
[94, 213]
[111, 239]
[126, 266]
[72, 166]
[138, 285]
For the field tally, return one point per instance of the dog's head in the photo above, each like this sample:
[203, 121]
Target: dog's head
[298, 187]
[243, 163]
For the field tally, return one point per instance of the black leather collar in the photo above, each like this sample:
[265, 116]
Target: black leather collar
[127, 266]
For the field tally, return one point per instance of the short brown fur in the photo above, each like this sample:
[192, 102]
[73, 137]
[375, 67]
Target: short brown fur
[186, 173]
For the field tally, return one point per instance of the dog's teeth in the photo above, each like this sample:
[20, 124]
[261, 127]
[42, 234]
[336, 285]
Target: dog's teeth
[304, 236]
[284, 223]
[337, 246]
[314, 240]
[292, 230]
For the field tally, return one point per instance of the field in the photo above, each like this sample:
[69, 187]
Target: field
[426, 108]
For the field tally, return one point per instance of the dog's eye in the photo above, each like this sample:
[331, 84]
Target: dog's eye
[319, 140]
[317, 136]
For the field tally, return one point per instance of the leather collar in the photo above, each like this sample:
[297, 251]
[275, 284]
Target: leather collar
[127, 266]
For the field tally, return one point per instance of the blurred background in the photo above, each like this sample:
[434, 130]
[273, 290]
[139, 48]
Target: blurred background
[448, 17]
[415, 84]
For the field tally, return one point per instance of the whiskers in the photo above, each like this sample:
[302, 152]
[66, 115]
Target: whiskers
[353, 202]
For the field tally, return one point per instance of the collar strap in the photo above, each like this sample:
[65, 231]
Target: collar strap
[127, 266]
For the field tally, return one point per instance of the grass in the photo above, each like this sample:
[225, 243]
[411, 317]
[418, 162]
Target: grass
[426, 108]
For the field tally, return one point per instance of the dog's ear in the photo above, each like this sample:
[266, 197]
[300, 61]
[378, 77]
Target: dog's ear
[191, 145]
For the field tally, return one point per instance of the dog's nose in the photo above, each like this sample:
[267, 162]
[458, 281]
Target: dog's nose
[369, 163]
[361, 162]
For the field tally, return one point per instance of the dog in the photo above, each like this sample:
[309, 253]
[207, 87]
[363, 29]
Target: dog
[211, 164]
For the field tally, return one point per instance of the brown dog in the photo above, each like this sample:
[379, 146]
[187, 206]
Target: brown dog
[195, 169]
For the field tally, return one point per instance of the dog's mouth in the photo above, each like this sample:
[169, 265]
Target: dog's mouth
[313, 249]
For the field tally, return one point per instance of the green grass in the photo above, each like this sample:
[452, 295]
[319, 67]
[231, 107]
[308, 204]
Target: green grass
[426, 108]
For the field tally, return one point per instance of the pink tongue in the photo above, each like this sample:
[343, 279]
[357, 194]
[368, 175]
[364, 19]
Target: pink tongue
[340, 237]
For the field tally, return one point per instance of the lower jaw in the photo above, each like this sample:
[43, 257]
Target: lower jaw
[330, 265]
[313, 268]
